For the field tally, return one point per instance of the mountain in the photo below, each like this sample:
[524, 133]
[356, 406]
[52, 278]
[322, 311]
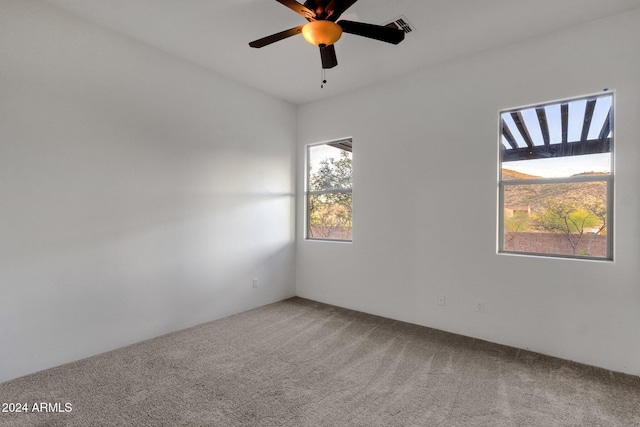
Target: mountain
[511, 174]
[535, 195]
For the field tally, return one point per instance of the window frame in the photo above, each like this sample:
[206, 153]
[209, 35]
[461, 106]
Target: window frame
[307, 193]
[608, 179]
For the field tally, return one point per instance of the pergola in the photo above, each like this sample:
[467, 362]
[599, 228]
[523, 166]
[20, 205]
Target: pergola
[537, 148]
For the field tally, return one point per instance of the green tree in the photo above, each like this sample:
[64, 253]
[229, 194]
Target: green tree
[570, 218]
[598, 210]
[519, 222]
[330, 213]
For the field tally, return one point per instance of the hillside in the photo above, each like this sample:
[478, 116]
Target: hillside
[534, 195]
[511, 174]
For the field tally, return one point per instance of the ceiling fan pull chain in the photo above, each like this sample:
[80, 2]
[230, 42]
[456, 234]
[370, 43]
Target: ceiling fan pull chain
[324, 79]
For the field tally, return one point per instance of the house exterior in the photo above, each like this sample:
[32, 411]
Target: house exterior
[510, 211]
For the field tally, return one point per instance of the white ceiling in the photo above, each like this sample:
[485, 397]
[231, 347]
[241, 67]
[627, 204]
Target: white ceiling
[215, 34]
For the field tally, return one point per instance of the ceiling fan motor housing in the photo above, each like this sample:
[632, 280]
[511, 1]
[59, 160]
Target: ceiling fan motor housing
[322, 32]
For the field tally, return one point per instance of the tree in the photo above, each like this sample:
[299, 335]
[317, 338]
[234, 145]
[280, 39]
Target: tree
[599, 210]
[571, 219]
[330, 212]
[518, 222]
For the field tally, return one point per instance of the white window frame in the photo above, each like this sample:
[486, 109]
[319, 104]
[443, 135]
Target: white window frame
[609, 179]
[308, 193]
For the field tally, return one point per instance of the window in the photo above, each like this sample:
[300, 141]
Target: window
[328, 191]
[556, 179]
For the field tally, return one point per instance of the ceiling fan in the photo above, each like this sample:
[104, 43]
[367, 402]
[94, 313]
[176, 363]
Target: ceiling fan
[323, 31]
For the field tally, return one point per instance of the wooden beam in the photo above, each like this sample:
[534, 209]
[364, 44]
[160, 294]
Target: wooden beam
[593, 146]
[606, 127]
[506, 132]
[346, 145]
[588, 116]
[544, 126]
[564, 115]
[522, 127]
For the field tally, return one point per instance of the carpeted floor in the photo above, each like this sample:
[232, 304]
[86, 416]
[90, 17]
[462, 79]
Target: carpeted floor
[302, 363]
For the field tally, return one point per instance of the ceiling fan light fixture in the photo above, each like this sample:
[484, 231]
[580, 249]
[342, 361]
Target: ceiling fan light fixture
[322, 32]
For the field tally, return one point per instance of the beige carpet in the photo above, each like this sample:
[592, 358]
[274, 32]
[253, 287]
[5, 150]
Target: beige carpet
[301, 363]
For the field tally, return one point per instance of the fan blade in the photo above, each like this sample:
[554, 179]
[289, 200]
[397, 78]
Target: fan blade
[335, 8]
[276, 37]
[328, 56]
[377, 32]
[306, 13]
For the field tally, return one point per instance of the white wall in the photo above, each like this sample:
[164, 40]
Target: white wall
[425, 201]
[139, 194]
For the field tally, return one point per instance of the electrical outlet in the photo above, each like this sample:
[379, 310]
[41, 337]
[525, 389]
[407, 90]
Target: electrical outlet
[480, 306]
[441, 300]
[255, 282]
